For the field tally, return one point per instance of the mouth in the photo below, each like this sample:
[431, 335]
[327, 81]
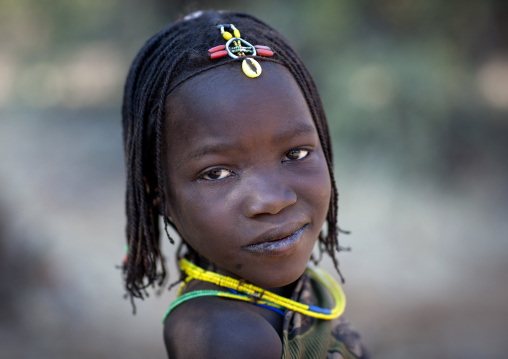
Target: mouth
[278, 242]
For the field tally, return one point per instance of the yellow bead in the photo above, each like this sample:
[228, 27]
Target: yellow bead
[227, 35]
[237, 33]
[251, 67]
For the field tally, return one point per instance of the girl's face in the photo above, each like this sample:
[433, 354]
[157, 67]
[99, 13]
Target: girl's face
[246, 179]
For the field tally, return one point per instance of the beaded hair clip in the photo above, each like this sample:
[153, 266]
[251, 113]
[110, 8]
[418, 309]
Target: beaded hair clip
[237, 47]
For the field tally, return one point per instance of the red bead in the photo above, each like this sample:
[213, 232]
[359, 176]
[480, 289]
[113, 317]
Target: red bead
[217, 48]
[264, 52]
[218, 54]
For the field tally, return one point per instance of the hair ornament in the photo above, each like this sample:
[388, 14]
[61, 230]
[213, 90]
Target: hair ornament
[237, 47]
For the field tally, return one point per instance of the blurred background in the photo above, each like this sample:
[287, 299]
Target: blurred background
[416, 94]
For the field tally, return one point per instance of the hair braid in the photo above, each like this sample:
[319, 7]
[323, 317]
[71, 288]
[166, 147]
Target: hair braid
[304, 80]
[158, 132]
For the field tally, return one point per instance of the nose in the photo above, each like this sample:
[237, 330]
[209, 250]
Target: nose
[267, 194]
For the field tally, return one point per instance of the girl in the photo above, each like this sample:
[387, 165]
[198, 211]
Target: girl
[226, 139]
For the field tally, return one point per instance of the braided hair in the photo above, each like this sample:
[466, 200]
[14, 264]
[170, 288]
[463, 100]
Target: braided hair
[172, 56]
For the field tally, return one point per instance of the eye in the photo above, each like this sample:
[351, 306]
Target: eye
[216, 174]
[295, 155]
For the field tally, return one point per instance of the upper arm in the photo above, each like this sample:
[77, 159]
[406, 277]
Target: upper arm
[216, 331]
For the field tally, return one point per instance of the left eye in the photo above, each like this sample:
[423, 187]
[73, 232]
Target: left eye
[297, 154]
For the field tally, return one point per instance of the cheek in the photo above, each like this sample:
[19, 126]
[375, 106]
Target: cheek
[318, 189]
[196, 215]
[323, 193]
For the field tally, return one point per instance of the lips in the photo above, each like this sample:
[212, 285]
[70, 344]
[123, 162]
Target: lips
[277, 242]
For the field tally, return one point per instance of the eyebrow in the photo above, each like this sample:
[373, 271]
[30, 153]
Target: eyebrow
[298, 130]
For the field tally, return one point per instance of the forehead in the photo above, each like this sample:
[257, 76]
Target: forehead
[225, 91]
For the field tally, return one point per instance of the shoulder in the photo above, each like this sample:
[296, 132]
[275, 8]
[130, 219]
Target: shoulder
[219, 328]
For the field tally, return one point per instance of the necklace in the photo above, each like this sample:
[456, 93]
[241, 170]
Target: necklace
[251, 293]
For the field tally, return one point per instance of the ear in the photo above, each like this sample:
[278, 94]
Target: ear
[153, 194]
[157, 203]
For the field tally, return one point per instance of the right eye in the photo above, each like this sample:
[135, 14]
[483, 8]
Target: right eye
[216, 174]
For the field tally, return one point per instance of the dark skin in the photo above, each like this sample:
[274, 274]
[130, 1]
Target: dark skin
[248, 188]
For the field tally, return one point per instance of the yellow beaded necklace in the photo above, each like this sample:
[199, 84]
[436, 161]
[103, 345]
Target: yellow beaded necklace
[252, 293]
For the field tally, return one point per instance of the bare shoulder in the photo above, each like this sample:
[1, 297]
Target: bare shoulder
[219, 328]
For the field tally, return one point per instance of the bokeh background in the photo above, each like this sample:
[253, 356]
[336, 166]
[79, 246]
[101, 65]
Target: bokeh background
[416, 93]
